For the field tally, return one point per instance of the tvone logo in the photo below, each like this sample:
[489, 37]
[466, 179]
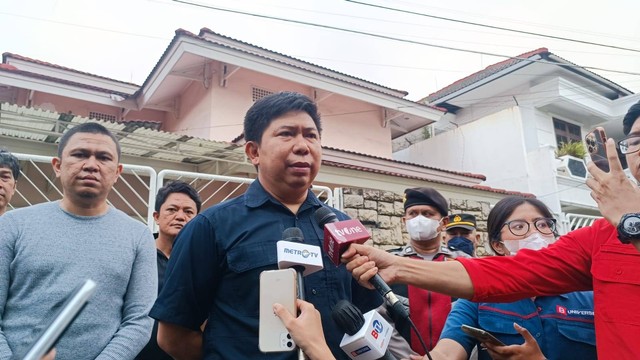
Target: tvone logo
[377, 329]
[349, 230]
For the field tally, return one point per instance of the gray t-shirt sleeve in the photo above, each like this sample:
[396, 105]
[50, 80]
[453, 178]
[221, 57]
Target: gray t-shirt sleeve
[7, 240]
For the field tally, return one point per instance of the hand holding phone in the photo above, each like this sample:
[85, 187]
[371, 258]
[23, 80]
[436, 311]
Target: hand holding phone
[276, 286]
[595, 142]
[481, 335]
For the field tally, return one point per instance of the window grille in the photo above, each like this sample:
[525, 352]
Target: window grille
[260, 93]
[102, 116]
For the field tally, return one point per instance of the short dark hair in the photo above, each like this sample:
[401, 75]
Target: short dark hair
[504, 208]
[8, 160]
[177, 186]
[630, 118]
[270, 107]
[91, 128]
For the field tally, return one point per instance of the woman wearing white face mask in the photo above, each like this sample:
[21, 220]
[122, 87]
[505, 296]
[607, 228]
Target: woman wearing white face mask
[548, 327]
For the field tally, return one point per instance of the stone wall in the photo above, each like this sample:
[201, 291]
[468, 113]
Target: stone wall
[381, 212]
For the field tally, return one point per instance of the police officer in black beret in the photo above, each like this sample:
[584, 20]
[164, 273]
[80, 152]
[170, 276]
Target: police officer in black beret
[425, 218]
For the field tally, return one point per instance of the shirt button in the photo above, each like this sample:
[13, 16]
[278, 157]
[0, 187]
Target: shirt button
[314, 292]
[619, 272]
[539, 308]
[538, 335]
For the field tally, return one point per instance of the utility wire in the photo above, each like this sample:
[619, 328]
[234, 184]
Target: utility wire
[496, 27]
[403, 40]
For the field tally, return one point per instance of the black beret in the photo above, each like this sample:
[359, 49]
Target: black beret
[426, 196]
[632, 115]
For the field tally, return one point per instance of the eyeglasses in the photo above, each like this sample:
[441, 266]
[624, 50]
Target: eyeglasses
[520, 227]
[630, 144]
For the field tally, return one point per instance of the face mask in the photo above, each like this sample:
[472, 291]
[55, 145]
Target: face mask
[421, 228]
[462, 244]
[534, 242]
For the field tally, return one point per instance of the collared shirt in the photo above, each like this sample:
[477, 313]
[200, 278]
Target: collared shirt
[562, 325]
[152, 350]
[590, 258]
[215, 266]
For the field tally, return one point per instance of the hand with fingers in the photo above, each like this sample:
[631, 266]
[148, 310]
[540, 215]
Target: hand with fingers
[614, 193]
[364, 262]
[527, 351]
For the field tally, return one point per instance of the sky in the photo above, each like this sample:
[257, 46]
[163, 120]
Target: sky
[368, 39]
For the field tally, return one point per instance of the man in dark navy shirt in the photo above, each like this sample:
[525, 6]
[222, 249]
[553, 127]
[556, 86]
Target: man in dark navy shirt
[176, 204]
[214, 270]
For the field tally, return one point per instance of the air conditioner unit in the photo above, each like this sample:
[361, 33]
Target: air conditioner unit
[573, 167]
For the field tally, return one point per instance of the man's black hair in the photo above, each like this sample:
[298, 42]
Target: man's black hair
[630, 118]
[177, 186]
[90, 128]
[270, 107]
[8, 160]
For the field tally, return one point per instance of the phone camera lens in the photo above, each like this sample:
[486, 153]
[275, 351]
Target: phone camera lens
[289, 344]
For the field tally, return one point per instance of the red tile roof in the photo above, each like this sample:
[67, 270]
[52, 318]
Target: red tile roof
[7, 55]
[482, 74]
[476, 187]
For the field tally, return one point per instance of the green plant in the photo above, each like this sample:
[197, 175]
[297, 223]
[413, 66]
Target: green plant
[573, 148]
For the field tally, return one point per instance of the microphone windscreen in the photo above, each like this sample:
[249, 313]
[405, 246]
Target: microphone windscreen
[324, 216]
[348, 317]
[293, 234]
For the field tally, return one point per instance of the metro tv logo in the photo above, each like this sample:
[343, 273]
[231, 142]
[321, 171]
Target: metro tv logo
[377, 329]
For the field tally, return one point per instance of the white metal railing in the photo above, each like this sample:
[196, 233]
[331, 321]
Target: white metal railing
[135, 191]
[576, 221]
[131, 193]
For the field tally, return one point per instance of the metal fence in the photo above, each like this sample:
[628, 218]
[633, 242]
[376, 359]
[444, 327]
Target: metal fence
[135, 191]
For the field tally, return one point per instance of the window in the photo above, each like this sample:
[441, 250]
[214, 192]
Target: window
[260, 93]
[566, 132]
[101, 116]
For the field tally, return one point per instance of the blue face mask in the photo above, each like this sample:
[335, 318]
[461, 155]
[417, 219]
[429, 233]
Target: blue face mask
[461, 243]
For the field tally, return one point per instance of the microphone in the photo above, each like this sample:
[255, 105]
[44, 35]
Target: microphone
[294, 253]
[366, 336]
[338, 235]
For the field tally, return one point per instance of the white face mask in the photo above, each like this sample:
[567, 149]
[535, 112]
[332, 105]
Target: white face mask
[421, 228]
[535, 241]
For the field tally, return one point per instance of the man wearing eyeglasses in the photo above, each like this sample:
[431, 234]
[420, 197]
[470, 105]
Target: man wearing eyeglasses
[603, 257]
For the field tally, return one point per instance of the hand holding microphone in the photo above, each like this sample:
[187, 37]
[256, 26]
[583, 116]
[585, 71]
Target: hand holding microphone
[338, 236]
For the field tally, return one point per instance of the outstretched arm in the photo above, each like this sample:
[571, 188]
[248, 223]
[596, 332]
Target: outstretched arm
[447, 277]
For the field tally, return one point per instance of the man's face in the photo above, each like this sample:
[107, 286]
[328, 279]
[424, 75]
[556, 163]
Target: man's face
[471, 235]
[289, 156]
[177, 210]
[88, 167]
[633, 159]
[7, 188]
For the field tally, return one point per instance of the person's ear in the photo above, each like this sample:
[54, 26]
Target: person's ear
[498, 247]
[251, 149]
[55, 163]
[156, 215]
[443, 223]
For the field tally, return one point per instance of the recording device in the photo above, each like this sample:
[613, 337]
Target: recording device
[595, 141]
[276, 286]
[366, 336]
[293, 253]
[59, 322]
[338, 235]
[481, 335]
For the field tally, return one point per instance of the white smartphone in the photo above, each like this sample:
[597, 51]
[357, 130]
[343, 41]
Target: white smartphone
[276, 286]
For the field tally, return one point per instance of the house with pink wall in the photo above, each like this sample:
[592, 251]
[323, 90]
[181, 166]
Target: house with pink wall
[199, 91]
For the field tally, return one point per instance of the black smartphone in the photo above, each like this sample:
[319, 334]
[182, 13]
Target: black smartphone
[595, 142]
[481, 335]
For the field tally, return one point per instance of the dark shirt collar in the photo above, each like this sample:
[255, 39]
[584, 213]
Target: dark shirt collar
[257, 196]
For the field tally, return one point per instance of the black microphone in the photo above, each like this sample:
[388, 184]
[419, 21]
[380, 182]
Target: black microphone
[366, 336]
[337, 239]
[294, 253]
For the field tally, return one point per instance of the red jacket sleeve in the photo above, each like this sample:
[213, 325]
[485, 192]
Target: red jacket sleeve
[563, 267]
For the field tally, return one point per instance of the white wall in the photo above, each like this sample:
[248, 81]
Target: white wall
[493, 147]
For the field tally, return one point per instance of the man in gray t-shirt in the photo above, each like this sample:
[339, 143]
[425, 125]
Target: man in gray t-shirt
[48, 249]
